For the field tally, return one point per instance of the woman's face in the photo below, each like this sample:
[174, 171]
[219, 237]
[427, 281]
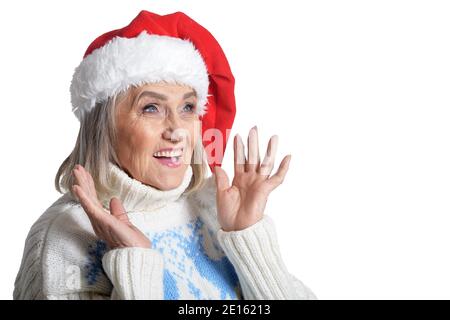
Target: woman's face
[157, 128]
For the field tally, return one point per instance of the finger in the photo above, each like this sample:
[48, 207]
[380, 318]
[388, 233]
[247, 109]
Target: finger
[89, 182]
[118, 211]
[81, 196]
[102, 227]
[239, 155]
[85, 202]
[278, 178]
[222, 181]
[95, 214]
[99, 219]
[97, 231]
[86, 181]
[253, 150]
[80, 178]
[269, 159]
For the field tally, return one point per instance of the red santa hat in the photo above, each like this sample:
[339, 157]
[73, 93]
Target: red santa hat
[153, 48]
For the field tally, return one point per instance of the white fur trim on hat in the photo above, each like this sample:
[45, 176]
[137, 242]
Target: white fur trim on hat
[147, 58]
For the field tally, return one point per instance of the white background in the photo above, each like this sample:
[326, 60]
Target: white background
[358, 92]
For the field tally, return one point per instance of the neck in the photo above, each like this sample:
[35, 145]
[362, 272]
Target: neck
[137, 196]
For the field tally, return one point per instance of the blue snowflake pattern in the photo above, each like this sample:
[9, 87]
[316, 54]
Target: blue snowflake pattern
[183, 247]
[94, 267]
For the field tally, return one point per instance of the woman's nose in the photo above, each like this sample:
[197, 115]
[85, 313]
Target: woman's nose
[177, 134]
[174, 131]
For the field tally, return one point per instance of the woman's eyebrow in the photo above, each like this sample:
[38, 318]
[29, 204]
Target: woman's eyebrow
[163, 97]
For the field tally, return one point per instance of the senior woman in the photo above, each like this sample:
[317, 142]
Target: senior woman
[139, 217]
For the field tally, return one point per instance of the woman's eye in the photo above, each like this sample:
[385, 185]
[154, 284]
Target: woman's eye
[189, 107]
[151, 108]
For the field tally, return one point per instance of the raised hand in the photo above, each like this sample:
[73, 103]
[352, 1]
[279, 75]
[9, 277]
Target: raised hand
[242, 204]
[112, 226]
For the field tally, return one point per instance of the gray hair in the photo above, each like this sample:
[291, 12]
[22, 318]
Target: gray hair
[94, 149]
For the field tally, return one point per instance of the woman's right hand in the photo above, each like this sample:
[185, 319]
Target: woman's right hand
[112, 226]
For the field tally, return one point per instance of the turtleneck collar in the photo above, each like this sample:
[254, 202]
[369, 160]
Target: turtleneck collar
[136, 196]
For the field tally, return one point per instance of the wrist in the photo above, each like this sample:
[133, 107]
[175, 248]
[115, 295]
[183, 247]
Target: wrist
[241, 225]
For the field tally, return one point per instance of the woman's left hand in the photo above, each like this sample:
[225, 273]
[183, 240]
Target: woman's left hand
[242, 204]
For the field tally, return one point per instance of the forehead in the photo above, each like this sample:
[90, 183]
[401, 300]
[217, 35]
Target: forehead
[164, 88]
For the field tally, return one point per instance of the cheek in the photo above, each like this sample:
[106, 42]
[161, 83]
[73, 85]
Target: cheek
[143, 140]
[194, 131]
[137, 139]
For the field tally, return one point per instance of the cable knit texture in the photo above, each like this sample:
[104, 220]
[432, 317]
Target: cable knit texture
[191, 256]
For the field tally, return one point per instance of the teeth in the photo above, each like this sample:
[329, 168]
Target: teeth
[175, 153]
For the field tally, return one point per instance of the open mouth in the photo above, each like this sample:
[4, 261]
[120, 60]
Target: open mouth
[171, 158]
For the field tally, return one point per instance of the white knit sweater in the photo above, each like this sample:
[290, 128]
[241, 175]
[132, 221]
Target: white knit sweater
[191, 256]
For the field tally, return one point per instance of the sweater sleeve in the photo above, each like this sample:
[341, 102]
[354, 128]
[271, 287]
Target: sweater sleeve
[136, 273]
[255, 254]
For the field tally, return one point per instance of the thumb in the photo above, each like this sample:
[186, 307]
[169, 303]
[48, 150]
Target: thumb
[222, 181]
[118, 211]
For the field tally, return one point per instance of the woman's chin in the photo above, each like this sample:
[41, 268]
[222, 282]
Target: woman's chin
[168, 184]
[170, 179]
